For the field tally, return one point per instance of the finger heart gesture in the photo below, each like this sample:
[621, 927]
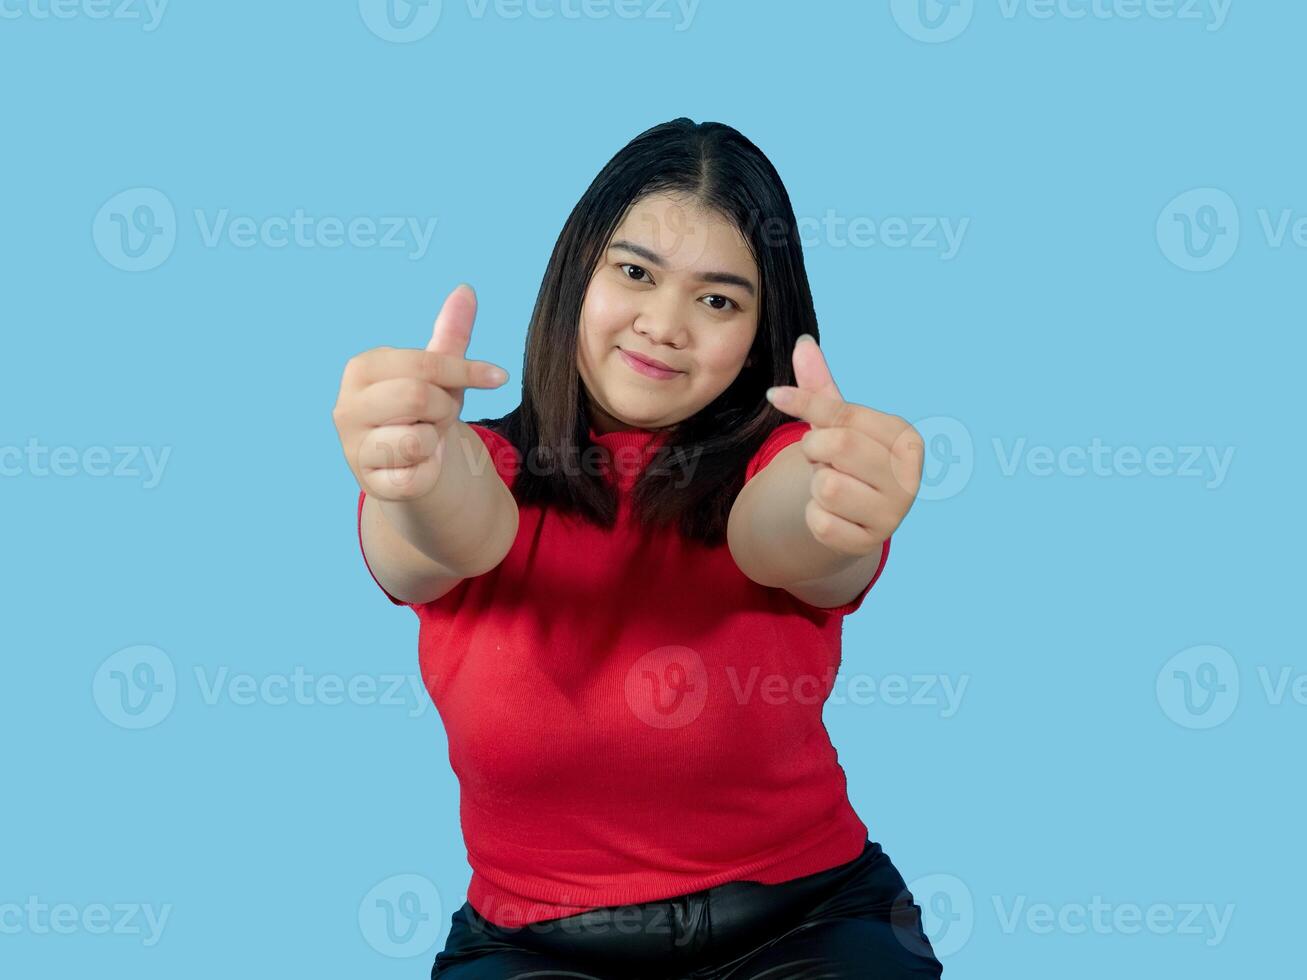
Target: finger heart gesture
[867, 464]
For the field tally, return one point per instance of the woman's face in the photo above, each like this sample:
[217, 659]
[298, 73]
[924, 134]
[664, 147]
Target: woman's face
[677, 285]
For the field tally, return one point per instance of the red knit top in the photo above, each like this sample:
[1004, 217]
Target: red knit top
[628, 715]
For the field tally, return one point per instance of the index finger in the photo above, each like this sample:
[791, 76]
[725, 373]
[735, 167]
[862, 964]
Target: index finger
[445, 370]
[824, 412]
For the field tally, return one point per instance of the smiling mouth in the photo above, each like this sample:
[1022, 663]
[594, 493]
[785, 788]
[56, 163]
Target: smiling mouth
[644, 367]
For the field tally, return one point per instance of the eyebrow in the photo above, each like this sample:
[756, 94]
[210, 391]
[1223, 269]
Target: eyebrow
[723, 278]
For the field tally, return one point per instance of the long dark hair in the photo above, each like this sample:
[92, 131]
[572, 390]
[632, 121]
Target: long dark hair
[717, 167]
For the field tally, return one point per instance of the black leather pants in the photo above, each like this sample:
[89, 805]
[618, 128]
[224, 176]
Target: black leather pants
[853, 921]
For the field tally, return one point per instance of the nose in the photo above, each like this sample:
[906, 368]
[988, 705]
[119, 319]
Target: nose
[660, 329]
[660, 320]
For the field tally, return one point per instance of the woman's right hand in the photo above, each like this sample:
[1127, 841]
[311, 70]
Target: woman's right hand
[396, 405]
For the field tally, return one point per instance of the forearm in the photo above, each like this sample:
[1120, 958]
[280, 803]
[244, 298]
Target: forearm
[769, 535]
[464, 525]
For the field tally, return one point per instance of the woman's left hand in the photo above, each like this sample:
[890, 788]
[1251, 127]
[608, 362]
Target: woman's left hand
[867, 463]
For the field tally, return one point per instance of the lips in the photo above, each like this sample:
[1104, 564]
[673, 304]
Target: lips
[651, 361]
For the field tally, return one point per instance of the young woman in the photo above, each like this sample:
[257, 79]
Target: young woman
[631, 591]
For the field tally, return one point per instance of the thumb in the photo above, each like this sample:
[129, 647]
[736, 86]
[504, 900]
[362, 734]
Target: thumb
[811, 372]
[453, 327]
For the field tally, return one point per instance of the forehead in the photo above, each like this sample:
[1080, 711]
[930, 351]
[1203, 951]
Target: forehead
[687, 235]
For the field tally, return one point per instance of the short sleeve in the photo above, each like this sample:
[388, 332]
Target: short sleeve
[780, 437]
[853, 604]
[502, 455]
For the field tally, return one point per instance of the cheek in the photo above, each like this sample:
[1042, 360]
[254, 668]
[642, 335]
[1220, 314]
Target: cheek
[727, 356]
[607, 309]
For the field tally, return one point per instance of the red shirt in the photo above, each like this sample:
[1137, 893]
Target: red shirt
[629, 716]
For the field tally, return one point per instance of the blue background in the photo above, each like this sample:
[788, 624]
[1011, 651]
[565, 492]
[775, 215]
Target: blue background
[1075, 767]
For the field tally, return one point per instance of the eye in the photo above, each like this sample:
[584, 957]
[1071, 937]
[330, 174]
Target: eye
[644, 277]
